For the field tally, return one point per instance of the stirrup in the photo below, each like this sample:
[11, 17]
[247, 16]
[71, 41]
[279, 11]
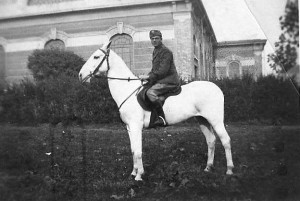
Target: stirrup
[165, 123]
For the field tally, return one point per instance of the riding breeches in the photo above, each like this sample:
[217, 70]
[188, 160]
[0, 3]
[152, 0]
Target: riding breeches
[157, 91]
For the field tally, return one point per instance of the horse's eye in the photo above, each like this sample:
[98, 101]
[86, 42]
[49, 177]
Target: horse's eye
[96, 57]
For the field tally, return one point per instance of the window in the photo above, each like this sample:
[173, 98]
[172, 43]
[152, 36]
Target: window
[196, 72]
[234, 69]
[55, 44]
[2, 64]
[195, 43]
[122, 44]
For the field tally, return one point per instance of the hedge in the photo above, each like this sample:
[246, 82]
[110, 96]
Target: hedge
[64, 99]
[49, 63]
[267, 99]
[55, 100]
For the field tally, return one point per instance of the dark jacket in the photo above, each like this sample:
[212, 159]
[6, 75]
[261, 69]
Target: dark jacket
[163, 68]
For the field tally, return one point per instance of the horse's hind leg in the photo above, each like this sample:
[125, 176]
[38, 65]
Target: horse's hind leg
[225, 139]
[210, 140]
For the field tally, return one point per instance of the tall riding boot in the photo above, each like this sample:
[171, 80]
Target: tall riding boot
[160, 121]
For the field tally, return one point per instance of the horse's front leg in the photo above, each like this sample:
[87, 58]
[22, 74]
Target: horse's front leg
[135, 135]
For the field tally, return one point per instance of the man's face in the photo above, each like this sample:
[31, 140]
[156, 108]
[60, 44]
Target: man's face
[156, 41]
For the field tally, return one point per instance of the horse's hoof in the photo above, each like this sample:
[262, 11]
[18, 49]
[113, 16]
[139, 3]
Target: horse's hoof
[138, 177]
[229, 171]
[131, 177]
[133, 173]
[208, 168]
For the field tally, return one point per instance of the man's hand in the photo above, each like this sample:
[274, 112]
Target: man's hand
[144, 77]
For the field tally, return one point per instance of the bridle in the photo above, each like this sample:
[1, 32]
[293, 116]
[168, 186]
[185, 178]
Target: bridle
[93, 74]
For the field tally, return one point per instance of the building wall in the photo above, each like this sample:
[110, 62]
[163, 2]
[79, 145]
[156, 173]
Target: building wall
[83, 26]
[237, 58]
[2, 64]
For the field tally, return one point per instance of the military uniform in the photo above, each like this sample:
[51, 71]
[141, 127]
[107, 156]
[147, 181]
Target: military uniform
[163, 76]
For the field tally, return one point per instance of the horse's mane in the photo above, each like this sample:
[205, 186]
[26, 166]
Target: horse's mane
[119, 59]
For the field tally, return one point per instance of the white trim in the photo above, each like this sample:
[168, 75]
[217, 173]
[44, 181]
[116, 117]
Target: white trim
[3, 43]
[182, 16]
[221, 63]
[248, 62]
[21, 10]
[120, 28]
[73, 40]
[55, 34]
[245, 61]
[24, 46]
[76, 40]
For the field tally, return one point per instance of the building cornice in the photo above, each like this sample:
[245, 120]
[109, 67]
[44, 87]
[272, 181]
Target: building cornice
[242, 42]
[17, 10]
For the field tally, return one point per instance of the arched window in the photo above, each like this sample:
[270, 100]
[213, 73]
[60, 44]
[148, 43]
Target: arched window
[55, 44]
[122, 44]
[234, 69]
[2, 64]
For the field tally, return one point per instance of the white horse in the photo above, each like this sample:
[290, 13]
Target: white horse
[200, 99]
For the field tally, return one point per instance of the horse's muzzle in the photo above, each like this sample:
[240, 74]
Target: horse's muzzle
[84, 79]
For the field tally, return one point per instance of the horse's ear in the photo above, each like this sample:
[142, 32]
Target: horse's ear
[106, 46]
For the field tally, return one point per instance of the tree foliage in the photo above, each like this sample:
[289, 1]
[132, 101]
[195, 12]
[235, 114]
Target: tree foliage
[57, 95]
[49, 63]
[286, 53]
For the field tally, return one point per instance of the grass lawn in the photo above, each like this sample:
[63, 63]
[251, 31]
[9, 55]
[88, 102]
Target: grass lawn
[71, 163]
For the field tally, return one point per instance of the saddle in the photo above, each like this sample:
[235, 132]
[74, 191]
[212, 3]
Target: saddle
[146, 104]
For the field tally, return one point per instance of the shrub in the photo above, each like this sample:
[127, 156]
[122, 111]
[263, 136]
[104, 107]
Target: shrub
[275, 99]
[50, 63]
[266, 99]
[56, 95]
[60, 99]
[18, 103]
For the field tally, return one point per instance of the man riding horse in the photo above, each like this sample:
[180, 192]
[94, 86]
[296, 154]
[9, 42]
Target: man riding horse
[163, 77]
[201, 99]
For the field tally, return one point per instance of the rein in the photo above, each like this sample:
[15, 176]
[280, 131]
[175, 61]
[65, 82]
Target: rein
[137, 90]
[93, 74]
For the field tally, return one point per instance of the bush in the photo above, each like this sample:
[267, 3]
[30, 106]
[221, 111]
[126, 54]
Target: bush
[60, 99]
[267, 99]
[275, 99]
[56, 95]
[237, 93]
[50, 63]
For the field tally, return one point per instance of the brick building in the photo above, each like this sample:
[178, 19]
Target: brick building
[82, 26]
[237, 58]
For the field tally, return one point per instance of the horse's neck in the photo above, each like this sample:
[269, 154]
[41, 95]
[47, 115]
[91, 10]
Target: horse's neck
[120, 89]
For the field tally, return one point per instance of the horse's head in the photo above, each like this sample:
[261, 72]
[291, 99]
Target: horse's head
[97, 63]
